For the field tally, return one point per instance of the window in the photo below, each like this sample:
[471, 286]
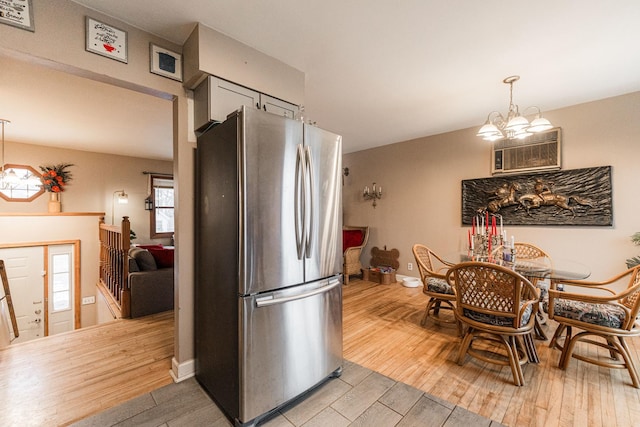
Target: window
[20, 183]
[61, 281]
[162, 206]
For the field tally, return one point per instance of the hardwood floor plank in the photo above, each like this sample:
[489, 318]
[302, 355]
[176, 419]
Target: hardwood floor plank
[382, 332]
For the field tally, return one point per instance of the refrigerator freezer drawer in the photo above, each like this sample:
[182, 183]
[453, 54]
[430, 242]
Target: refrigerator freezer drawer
[291, 340]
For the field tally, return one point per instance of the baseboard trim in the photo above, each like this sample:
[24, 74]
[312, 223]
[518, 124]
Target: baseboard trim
[182, 371]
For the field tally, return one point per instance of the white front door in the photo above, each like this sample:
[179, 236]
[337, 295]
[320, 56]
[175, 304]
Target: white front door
[60, 289]
[25, 271]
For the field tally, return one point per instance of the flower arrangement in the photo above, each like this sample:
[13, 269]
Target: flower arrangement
[55, 177]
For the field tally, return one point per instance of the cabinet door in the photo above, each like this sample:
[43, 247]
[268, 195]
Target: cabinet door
[227, 97]
[278, 107]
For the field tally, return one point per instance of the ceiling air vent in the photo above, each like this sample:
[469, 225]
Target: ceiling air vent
[539, 151]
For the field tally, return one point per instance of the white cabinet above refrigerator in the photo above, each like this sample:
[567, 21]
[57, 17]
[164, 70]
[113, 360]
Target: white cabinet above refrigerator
[216, 98]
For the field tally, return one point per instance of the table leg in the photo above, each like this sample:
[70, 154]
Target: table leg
[538, 330]
[530, 348]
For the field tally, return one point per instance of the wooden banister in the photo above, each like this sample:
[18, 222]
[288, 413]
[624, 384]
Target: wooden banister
[115, 241]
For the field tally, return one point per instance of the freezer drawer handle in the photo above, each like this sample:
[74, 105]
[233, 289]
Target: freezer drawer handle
[267, 302]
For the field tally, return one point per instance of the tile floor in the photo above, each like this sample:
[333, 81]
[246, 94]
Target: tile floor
[360, 397]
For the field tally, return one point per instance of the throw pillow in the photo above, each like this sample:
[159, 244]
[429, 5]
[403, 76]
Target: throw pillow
[144, 259]
[163, 257]
[154, 246]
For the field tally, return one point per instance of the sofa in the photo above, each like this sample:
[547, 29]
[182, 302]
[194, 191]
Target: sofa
[150, 279]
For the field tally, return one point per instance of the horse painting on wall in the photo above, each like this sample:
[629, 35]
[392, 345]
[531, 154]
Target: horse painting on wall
[571, 197]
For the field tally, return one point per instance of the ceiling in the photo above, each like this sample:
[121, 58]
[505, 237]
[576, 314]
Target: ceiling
[380, 72]
[50, 107]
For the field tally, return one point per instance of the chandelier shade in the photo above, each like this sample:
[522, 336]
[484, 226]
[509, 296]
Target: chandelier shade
[514, 125]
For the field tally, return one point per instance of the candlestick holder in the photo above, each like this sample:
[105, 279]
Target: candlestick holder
[372, 194]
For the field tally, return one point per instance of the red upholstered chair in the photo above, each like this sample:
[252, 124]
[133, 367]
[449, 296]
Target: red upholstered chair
[354, 239]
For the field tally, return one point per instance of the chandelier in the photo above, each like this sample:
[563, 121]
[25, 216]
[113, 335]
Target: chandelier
[514, 125]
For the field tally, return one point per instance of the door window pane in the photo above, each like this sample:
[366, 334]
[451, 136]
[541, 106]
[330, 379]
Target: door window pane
[61, 281]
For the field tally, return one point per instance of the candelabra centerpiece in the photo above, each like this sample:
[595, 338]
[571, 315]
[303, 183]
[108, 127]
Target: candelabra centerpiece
[487, 239]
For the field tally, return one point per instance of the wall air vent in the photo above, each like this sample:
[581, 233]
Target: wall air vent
[538, 151]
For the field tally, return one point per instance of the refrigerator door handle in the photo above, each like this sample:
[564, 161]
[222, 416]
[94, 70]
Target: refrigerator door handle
[311, 210]
[269, 300]
[298, 200]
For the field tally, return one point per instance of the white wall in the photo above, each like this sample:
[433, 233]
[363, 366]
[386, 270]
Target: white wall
[94, 179]
[422, 187]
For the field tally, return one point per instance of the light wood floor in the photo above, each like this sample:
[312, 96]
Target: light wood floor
[382, 332]
[59, 379]
[63, 378]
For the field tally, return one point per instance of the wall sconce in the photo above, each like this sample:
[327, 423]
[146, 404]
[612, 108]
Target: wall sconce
[372, 194]
[148, 204]
[123, 199]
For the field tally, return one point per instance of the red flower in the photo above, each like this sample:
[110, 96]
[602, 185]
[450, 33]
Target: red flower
[55, 177]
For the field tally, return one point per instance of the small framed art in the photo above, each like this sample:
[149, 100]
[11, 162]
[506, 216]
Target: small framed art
[106, 40]
[165, 62]
[18, 13]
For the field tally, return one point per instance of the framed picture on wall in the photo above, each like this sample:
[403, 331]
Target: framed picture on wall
[165, 62]
[17, 13]
[106, 40]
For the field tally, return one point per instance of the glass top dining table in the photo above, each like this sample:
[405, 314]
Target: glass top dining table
[556, 269]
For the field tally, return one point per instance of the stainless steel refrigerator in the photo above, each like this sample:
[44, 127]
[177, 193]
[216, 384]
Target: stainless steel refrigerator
[268, 311]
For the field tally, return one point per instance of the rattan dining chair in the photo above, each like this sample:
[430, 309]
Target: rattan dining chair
[433, 271]
[497, 306]
[528, 251]
[605, 321]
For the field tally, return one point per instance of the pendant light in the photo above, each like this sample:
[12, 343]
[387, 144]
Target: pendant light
[514, 125]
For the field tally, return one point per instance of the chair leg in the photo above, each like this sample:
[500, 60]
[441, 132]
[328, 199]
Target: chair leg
[436, 308]
[556, 335]
[426, 311]
[346, 279]
[511, 345]
[460, 327]
[567, 349]
[614, 350]
[628, 360]
[464, 345]
[565, 346]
